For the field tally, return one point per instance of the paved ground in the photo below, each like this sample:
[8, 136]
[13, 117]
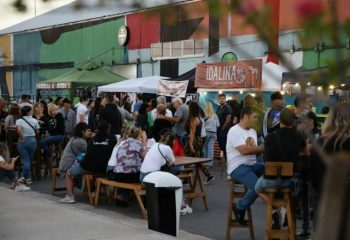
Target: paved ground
[32, 215]
[211, 223]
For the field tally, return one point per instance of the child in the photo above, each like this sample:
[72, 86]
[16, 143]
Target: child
[6, 169]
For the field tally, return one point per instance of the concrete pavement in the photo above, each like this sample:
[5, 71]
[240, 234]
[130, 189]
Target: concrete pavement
[37, 216]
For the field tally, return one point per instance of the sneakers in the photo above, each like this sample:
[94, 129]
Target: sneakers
[209, 180]
[186, 210]
[67, 199]
[22, 180]
[239, 214]
[27, 181]
[22, 188]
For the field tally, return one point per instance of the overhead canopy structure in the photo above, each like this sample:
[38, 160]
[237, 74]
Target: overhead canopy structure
[87, 74]
[272, 76]
[318, 76]
[137, 85]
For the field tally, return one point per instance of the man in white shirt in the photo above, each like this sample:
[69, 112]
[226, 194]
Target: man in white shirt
[242, 166]
[82, 110]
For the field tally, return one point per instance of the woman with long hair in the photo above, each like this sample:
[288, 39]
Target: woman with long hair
[27, 128]
[211, 125]
[193, 127]
[55, 129]
[335, 139]
[94, 114]
[38, 114]
[75, 146]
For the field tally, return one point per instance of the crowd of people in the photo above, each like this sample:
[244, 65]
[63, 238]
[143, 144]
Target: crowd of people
[127, 141]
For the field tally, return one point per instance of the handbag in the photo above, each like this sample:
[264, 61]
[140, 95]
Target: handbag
[178, 149]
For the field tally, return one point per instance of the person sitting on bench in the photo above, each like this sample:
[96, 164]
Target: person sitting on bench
[95, 161]
[129, 156]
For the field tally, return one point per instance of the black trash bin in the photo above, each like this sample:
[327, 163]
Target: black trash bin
[164, 197]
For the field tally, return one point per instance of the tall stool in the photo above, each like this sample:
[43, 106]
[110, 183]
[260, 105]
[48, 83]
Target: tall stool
[279, 170]
[237, 191]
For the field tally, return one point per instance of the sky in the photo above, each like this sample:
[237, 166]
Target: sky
[10, 16]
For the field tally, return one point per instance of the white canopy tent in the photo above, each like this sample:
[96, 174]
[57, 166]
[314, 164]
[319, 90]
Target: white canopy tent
[136, 85]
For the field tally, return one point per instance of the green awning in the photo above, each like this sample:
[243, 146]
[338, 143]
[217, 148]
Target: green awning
[87, 74]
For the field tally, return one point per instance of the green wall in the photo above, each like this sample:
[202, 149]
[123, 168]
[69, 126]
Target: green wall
[98, 42]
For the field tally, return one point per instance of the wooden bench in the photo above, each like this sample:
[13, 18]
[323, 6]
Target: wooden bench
[54, 175]
[89, 181]
[136, 187]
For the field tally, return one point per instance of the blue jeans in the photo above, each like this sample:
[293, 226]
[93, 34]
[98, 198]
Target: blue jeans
[26, 149]
[208, 147]
[247, 175]
[10, 174]
[264, 183]
[46, 142]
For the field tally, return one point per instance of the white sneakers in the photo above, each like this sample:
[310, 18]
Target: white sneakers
[22, 188]
[186, 210]
[67, 199]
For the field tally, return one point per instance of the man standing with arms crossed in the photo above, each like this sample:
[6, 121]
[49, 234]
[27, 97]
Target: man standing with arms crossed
[224, 115]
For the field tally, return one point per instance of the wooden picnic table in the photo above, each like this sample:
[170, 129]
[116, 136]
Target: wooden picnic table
[197, 179]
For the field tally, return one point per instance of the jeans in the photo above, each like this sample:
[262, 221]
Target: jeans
[45, 143]
[247, 175]
[264, 183]
[10, 174]
[222, 139]
[208, 147]
[26, 149]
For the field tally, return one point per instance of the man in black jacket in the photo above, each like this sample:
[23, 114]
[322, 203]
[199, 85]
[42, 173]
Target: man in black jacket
[111, 114]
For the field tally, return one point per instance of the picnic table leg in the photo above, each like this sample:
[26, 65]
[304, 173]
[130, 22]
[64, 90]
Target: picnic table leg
[201, 185]
[98, 185]
[139, 200]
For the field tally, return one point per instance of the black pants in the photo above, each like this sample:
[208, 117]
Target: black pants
[222, 139]
[125, 178]
[304, 196]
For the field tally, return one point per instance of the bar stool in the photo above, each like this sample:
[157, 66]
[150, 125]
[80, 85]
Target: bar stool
[54, 175]
[237, 191]
[279, 170]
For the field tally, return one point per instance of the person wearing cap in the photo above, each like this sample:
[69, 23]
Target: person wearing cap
[69, 118]
[272, 117]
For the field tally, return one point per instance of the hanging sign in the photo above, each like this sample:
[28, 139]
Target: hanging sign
[62, 85]
[172, 88]
[239, 74]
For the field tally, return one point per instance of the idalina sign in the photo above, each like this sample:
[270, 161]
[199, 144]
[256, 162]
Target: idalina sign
[239, 74]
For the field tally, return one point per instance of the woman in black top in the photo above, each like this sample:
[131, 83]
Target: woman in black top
[55, 128]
